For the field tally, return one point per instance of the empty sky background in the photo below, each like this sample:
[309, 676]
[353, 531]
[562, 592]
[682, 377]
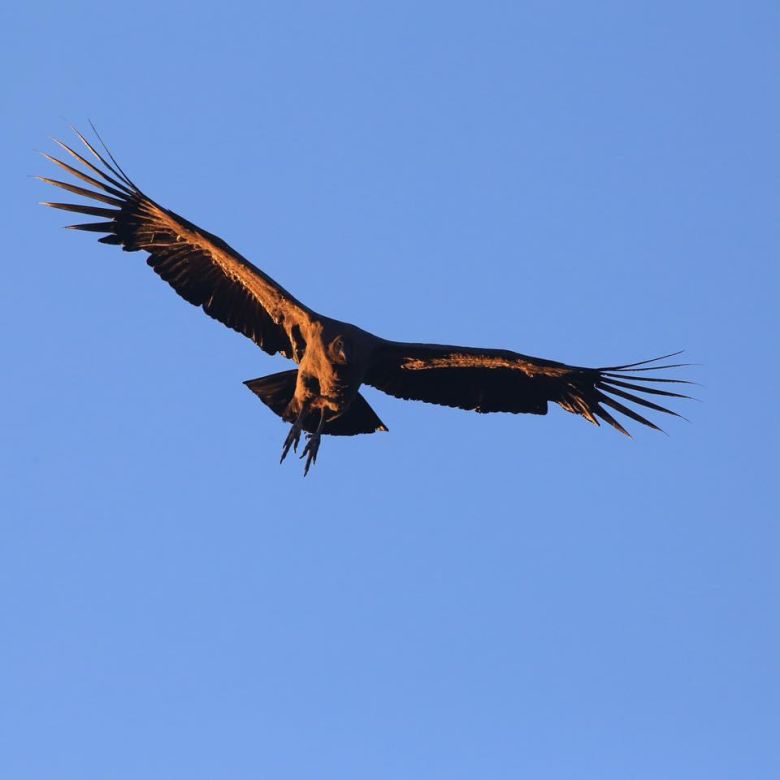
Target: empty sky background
[466, 596]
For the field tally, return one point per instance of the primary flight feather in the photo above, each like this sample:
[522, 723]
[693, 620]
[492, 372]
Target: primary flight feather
[335, 358]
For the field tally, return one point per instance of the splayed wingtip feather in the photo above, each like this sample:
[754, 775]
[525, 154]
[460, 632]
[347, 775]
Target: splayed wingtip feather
[100, 157]
[108, 152]
[94, 168]
[641, 362]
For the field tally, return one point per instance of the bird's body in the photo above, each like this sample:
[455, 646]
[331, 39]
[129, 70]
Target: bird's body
[335, 358]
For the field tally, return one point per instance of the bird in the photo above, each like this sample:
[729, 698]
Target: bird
[334, 358]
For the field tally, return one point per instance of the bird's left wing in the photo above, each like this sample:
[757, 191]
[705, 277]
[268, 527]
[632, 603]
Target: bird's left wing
[200, 266]
[494, 380]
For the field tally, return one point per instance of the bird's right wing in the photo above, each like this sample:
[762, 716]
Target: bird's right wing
[497, 380]
[200, 266]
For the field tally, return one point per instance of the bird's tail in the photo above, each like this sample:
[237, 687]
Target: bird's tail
[276, 392]
[588, 391]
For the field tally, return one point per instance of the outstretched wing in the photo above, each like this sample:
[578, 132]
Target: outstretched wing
[493, 380]
[200, 266]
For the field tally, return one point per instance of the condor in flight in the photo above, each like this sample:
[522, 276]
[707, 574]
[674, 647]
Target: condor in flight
[335, 358]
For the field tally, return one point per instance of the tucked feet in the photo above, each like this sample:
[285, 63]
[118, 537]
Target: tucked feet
[312, 443]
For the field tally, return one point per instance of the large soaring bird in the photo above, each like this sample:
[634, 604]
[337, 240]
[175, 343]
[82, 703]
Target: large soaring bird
[335, 358]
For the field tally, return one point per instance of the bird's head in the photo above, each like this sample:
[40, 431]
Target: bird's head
[340, 350]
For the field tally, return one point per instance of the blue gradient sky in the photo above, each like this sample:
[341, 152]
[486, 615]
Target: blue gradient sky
[466, 596]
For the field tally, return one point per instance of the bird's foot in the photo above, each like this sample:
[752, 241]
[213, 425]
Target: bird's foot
[293, 437]
[310, 451]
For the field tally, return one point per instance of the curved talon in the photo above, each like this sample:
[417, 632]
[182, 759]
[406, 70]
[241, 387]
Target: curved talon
[293, 437]
[311, 448]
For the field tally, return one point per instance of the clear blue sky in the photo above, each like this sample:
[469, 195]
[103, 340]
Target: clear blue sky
[466, 596]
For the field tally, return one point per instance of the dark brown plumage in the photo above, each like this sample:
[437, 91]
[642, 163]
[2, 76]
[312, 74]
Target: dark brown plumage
[335, 358]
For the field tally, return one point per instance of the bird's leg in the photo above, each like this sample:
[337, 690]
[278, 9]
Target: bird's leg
[294, 436]
[313, 444]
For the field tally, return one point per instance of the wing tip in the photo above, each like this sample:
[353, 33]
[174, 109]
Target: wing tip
[604, 392]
